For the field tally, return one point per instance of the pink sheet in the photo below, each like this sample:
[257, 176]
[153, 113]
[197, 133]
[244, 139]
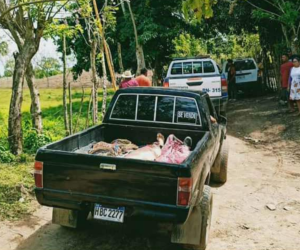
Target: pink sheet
[174, 151]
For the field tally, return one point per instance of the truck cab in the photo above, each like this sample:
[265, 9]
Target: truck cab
[202, 74]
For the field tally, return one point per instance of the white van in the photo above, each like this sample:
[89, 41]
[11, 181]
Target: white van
[200, 74]
[246, 74]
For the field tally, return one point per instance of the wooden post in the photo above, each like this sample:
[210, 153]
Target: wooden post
[65, 86]
[109, 63]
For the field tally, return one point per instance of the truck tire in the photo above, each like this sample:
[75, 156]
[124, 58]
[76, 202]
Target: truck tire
[206, 214]
[222, 159]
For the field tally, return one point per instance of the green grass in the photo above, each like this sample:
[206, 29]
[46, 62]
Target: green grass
[52, 111]
[16, 190]
[17, 177]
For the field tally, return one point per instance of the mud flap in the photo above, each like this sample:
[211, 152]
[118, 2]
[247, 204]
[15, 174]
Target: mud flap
[190, 231]
[65, 217]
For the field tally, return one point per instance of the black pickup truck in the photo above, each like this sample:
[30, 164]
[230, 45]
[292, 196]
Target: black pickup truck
[117, 189]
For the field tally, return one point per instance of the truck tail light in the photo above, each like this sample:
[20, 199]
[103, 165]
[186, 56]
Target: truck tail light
[184, 191]
[166, 83]
[224, 85]
[38, 174]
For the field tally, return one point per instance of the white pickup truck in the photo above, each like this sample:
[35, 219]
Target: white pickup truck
[199, 73]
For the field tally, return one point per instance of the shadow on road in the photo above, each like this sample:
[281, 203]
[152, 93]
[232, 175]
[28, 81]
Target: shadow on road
[97, 235]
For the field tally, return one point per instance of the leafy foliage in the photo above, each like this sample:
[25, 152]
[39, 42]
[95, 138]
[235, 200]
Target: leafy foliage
[3, 48]
[6, 156]
[187, 45]
[197, 9]
[47, 67]
[9, 68]
[33, 141]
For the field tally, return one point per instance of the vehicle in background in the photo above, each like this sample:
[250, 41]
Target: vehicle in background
[201, 74]
[247, 77]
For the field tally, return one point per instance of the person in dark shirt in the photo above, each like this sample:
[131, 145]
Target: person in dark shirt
[232, 89]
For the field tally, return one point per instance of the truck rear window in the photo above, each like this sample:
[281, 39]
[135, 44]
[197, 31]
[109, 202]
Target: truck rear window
[165, 107]
[176, 69]
[186, 111]
[244, 65]
[187, 68]
[208, 67]
[125, 107]
[161, 109]
[146, 108]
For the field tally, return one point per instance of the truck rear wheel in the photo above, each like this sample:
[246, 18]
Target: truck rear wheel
[206, 205]
[222, 159]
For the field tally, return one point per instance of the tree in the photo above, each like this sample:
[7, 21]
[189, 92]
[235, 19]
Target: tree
[9, 68]
[187, 45]
[26, 23]
[62, 30]
[286, 13]
[139, 49]
[158, 23]
[197, 9]
[48, 66]
[3, 48]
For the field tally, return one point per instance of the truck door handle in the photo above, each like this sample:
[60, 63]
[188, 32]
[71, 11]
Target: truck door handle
[199, 83]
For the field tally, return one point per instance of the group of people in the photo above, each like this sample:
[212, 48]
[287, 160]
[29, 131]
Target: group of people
[140, 81]
[290, 81]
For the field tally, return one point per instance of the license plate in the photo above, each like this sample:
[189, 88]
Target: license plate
[109, 214]
[241, 77]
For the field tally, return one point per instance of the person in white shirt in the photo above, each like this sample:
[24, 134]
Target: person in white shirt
[294, 86]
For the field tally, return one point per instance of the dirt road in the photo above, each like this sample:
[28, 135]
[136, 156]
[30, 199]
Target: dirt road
[264, 170]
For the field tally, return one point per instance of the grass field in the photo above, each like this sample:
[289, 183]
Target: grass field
[52, 110]
[16, 180]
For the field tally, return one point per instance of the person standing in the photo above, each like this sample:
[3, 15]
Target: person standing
[294, 86]
[143, 79]
[232, 89]
[285, 71]
[128, 80]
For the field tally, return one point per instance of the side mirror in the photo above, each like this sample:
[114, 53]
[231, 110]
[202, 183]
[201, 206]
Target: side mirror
[222, 119]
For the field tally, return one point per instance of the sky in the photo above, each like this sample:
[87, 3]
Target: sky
[47, 49]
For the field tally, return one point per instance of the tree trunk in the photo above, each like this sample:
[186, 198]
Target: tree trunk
[70, 109]
[139, 49]
[65, 88]
[89, 109]
[95, 81]
[35, 109]
[120, 58]
[80, 110]
[22, 59]
[15, 116]
[104, 99]
[294, 44]
[101, 31]
[287, 40]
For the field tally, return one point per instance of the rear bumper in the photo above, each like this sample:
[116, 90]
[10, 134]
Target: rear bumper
[220, 103]
[248, 85]
[134, 209]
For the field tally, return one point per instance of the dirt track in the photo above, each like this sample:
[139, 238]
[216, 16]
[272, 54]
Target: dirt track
[263, 171]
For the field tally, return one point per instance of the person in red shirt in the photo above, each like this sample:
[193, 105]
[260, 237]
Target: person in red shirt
[285, 70]
[128, 80]
[143, 80]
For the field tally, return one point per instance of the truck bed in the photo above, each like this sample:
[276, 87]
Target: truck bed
[77, 177]
[140, 136]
